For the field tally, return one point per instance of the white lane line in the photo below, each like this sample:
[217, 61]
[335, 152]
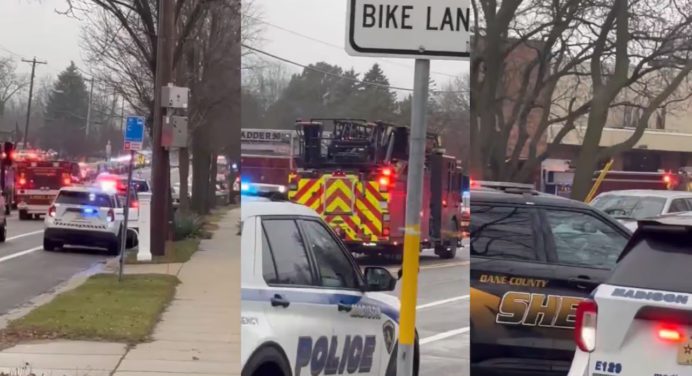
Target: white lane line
[19, 254]
[440, 302]
[24, 235]
[443, 335]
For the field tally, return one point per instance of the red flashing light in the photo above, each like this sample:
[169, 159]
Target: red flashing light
[22, 181]
[670, 333]
[666, 179]
[385, 232]
[384, 181]
[67, 181]
[387, 171]
[134, 205]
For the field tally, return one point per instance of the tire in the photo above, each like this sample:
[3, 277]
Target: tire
[49, 245]
[8, 209]
[23, 215]
[267, 361]
[391, 367]
[3, 232]
[446, 253]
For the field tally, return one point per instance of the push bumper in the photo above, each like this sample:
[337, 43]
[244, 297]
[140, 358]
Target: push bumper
[80, 237]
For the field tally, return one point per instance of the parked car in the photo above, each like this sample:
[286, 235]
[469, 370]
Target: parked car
[629, 206]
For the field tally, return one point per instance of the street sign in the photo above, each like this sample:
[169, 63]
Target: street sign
[134, 133]
[428, 29]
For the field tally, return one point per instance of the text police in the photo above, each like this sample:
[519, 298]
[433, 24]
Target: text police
[321, 355]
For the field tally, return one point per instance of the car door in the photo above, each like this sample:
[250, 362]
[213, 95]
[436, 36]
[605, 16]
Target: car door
[357, 344]
[300, 315]
[508, 269]
[584, 247]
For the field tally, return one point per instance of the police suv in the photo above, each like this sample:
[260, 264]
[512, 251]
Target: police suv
[307, 309]
[84, 216]
[534, 257]
[640, 321]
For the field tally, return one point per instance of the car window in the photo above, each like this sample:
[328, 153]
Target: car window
[335, 269]
[502, 232]
[630, 207]
[84, 199]
[584, 240]
[657, 261]
[689, 203]
[678, 205]
[269, 269]
[288, 251]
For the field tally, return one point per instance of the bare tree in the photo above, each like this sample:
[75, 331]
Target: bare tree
[10, 83]
[541, 63]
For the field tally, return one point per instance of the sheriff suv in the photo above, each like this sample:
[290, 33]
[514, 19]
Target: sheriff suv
[84, 216]
[640, 321]
[307, 309]
[534, 257]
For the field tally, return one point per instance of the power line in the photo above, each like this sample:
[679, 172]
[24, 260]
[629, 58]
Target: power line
[11, 52]
[285, 60]
[335, 45]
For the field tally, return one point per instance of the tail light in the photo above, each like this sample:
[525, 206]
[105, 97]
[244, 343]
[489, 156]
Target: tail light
[51, 211]
[444, 203]
[385, 232]
[670, 333]
[585, 325]
[67, 181]
[134, 204]
[22, 181]
[111, 215]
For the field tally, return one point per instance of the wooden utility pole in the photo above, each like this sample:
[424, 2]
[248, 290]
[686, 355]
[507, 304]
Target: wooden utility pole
[31, 94]
[160, 166]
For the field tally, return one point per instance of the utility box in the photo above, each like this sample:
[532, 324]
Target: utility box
[178, 131]
[174, 96]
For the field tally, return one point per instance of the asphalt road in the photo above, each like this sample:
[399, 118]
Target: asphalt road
[442, 314]
[26, 270]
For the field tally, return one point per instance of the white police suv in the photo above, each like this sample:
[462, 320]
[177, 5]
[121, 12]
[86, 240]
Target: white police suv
[84, 216]
[640, 321]
[307, 309]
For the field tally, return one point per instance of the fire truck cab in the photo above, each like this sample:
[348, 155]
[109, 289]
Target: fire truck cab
[356, 180]
[38, 181]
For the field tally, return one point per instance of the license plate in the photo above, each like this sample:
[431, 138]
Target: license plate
[685, 353]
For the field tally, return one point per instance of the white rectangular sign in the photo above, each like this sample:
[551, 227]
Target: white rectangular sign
[422, 29]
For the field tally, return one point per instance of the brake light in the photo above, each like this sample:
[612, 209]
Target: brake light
[585, 325]
[670, 333]
[111, 215]
[51, 211]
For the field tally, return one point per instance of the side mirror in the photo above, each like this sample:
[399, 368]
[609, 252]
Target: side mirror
[379, 279]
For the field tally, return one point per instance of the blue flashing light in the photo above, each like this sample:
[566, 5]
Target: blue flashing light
[245, 187]
[90, 210]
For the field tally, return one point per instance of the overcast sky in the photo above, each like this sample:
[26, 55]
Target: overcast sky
[31, 28]
[322, 24]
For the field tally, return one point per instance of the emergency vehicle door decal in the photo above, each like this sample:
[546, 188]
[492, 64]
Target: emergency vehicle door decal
[320, 355]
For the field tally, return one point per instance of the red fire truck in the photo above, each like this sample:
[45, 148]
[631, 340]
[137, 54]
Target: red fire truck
[356, 179]
[267, 155]
[37, 182]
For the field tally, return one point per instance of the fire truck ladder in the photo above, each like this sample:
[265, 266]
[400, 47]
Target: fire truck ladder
[599, 180]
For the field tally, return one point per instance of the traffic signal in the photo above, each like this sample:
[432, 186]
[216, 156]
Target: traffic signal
[8, 153]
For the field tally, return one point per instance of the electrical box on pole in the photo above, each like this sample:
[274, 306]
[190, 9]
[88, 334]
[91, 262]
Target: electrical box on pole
[175, 97]
[421, 30]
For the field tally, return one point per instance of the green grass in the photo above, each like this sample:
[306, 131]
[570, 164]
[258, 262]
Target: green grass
[101, 309]
[177, 252]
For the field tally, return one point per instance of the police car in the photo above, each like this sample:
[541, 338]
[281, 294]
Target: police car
[639, 322]
[307, 309]
[534, 257]
[84, 216]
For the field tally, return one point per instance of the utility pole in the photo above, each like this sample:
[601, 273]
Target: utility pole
[414, 198]
[160, 167]
[31, 94]
[88, 118]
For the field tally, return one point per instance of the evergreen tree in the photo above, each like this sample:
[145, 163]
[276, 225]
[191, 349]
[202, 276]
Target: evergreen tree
[65, 114]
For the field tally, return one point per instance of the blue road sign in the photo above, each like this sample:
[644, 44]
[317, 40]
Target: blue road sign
[134, 129]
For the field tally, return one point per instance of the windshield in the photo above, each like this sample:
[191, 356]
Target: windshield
[84, 199]
[630, 207]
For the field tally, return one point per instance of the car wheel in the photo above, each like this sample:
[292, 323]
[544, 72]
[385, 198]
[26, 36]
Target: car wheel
[23, 215]
[3, 232]
[49, 245]
[268, 361]
[8, 209]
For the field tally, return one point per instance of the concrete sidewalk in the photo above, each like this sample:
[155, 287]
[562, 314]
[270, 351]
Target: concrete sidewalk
[199, 333]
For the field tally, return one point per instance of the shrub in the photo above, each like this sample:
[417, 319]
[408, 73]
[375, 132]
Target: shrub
[187, 225]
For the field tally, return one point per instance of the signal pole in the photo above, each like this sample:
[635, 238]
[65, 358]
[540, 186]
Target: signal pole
[88, 117]
[31, 93]
[160, 166]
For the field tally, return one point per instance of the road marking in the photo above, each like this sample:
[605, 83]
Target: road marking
[19, 254]
[440, 302]
[443, 335]
[24, 235]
